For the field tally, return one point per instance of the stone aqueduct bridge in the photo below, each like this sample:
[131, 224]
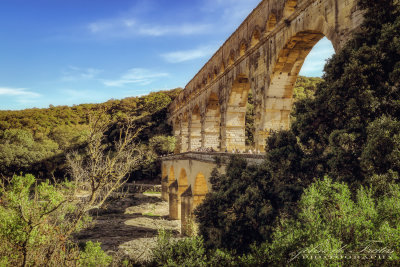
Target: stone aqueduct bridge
[263, 56]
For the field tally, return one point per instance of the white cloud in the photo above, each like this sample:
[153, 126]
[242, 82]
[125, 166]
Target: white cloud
[186, 55]
[19, 92]
[135, 76]
[129, 27]
[231, 12]
[184, 29]
[75, 74]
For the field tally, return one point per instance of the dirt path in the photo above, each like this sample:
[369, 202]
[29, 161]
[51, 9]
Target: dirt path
[130, 224]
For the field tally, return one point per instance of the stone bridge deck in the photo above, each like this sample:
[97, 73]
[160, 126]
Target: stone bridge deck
[211, 157]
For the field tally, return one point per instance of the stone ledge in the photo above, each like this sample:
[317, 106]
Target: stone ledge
[211, 156]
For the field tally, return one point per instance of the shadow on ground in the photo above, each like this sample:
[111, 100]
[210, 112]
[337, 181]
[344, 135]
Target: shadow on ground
[130, 224]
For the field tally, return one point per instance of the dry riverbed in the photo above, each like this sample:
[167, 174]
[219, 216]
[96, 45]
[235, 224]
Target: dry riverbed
[128, 224]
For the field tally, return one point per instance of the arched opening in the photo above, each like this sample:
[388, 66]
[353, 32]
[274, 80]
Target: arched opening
[231, 59]
[279, 97]
[195, 130]
[255, 38]
[222, 69]
[212, 123]
[290, 6]
[183, 184]
[271, 23]
[243, 49]
[184, 136]
[235, 121]
[200, 190]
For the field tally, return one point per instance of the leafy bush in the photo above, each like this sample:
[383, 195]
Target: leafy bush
[93, 256]
[192, 252]
[186, 252]
[36, 220]
[331, 224]
[162, 144]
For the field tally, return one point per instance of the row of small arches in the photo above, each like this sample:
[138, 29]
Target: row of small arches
[244, 45]
[200, 184]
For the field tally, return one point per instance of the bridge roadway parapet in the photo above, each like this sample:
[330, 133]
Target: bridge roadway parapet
[213, 157]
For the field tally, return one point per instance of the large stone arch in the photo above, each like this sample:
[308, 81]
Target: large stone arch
[282, 71]
[212, 123]
[279, 96]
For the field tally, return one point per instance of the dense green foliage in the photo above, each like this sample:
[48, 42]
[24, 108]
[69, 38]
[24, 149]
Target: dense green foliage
[324, 230]
[37, 140]
[36, 220]
[327, 226]
[191, 251]
[246, 200]
[305, 87]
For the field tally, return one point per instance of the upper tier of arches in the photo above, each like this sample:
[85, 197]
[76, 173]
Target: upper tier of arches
[238, 44]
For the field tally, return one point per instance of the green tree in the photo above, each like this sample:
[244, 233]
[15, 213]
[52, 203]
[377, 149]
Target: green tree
[162, 144]
[19, 151]
[305, 87]
[34, 220]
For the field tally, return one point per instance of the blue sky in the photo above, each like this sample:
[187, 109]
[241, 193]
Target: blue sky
[65, 52]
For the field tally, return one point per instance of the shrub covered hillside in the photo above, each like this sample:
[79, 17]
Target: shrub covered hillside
[37, 140]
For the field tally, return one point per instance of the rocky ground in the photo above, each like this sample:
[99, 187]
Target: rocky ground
[128, 224]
